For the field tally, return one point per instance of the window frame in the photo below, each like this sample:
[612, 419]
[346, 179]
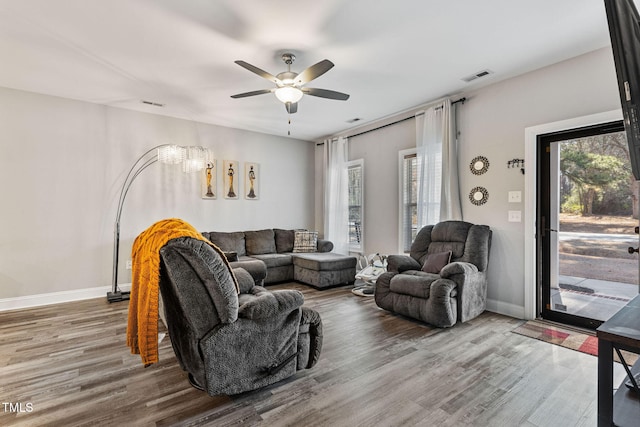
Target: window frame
[357, 247]
[403, 155]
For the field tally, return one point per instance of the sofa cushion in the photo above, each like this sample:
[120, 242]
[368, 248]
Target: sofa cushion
[284, 240]
[274, 260]
[436, 262]
[305, 241]
[228, 241]
[260, 242]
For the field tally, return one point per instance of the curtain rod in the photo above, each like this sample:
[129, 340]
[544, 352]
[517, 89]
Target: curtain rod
[461, 100]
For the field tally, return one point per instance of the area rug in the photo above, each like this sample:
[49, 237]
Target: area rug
[579, 340]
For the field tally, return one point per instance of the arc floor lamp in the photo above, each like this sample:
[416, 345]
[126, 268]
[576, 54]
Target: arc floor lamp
[192, 159]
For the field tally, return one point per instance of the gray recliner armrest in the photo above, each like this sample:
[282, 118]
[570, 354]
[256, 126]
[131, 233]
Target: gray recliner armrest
[471, 285]
[457, 268]
[244, 279]
[253, 352]
[310, 338]
[271, 303]
[400, 263]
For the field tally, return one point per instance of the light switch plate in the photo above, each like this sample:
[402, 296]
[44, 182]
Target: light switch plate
[515, 216]
[515, 196]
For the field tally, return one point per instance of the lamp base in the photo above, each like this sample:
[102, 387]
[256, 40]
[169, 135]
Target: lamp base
[118, 296]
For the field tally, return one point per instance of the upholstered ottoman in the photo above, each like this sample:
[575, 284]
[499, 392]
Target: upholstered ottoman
[324, 269]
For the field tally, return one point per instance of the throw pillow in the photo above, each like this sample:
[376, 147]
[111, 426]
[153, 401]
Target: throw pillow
[305, 241]
[231, 256]
[436, 262]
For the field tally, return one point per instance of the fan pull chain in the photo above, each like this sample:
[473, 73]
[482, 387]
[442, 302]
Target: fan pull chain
[289, 129]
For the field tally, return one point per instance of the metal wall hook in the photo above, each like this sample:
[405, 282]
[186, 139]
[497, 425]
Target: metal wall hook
[516, 163]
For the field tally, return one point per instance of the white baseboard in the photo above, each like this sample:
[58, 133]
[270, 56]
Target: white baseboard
[57, 297]
[17, 303]
[505, 308]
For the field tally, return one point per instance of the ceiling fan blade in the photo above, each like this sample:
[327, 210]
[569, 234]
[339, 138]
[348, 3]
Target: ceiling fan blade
[259, 72]
[292, 107]
[252, 93]
[324, 93]
[313, 72]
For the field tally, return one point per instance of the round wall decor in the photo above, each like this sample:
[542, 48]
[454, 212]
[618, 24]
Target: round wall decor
[479, 165]
[479, 196]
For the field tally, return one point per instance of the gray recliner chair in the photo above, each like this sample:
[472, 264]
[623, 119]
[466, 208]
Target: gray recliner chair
[444, 279]
[230, 343]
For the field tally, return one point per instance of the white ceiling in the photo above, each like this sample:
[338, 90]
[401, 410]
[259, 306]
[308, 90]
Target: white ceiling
[389, 55]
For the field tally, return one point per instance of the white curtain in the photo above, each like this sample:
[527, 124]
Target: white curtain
[438, 193]
[450, 204]
[336, 196]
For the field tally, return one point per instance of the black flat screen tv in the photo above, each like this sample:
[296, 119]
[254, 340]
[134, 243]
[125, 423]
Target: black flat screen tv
[624, 30]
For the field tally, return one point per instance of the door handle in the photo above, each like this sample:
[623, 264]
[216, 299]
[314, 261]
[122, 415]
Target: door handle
[543, 227]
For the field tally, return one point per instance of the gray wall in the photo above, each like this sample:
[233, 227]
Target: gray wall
[61, 165]
[492, 123]
[379, 149]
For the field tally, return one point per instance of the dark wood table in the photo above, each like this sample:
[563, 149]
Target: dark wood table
[621, 332]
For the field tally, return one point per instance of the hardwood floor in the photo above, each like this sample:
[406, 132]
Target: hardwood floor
[68, 365]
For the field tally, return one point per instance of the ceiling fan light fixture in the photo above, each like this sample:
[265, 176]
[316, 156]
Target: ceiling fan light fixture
[288, 94]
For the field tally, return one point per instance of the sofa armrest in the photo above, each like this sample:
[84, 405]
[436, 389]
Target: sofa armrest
[400, 263]
[271, 303]
[324, 245]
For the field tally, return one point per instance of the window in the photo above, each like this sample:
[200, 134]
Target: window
[355, 170]
[408, 198]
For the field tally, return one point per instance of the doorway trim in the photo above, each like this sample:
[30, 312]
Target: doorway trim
[530, 207]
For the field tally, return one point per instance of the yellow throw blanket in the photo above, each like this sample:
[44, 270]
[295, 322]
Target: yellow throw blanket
[142, 327]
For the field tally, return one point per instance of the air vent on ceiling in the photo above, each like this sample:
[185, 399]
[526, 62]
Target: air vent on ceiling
[357, 119]
[155, 104]
[477, 75]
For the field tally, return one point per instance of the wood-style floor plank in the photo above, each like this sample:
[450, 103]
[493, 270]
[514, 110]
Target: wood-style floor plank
[70, 364]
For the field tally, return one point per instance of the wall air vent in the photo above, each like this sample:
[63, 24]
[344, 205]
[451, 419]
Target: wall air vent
[155, 104]
[477, 75]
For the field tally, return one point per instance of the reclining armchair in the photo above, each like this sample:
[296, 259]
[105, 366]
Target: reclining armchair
[443, 280]
[230, 343]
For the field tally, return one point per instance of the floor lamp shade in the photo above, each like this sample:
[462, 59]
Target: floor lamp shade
[192, 159]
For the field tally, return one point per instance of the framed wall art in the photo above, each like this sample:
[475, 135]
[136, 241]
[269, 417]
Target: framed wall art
[209, 187]
[251, 181]
[231, 178]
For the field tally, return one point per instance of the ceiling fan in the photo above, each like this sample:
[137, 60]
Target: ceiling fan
[290, 85]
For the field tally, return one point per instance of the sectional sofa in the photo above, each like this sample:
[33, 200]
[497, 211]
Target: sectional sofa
[271, 256]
